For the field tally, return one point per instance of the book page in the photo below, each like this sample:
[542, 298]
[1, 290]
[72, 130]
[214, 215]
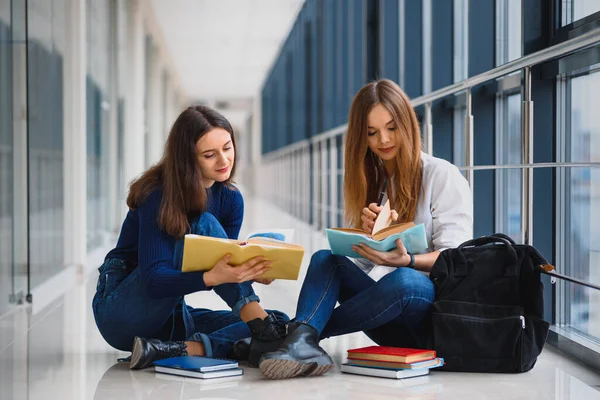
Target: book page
[384, 218]
[390, 230]
[269, 243]
[282, 235]
[351, 230]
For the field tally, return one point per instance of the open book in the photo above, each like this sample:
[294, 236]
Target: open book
[201, 253]
[383, 238]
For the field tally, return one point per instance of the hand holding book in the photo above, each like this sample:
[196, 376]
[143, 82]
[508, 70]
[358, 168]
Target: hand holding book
[393, 258]
[223, 272]
[204, 253]
[388, 243]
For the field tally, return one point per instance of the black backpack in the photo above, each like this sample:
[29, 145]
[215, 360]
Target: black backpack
[489, 309]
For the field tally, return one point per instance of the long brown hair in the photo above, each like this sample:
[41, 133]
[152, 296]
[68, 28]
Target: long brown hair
[177, 173]
[364, 180]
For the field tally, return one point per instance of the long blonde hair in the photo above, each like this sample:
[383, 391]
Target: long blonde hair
[364, 171]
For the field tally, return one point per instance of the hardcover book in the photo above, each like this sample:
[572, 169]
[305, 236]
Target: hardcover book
[201, 253]
[198, 367]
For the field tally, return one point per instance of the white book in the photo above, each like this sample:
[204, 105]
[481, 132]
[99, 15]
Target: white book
[201, 375]
[384, 373]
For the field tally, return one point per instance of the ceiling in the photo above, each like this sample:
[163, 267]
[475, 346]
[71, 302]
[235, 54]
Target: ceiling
[223, 49]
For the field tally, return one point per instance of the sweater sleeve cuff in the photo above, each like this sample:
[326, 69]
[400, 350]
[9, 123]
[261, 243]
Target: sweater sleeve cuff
[194, 282]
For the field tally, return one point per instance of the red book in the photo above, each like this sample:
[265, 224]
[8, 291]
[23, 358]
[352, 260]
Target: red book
[391, 354]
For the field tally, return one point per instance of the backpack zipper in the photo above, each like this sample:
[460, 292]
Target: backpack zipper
[522, 318]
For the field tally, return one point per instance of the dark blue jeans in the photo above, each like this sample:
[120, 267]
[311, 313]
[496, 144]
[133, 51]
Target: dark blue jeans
[123, 309]
[392, 311]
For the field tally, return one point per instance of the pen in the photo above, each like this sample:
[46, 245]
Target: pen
[382, 193]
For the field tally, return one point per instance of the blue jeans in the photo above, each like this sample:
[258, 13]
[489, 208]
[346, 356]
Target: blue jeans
[392, 311]
[123, 309]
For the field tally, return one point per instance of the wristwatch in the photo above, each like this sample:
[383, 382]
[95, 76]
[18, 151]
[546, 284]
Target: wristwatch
[411, 264]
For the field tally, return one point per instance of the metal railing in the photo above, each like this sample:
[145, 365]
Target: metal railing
[323, 204]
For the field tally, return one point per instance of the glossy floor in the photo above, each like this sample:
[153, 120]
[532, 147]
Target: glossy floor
[55, 352]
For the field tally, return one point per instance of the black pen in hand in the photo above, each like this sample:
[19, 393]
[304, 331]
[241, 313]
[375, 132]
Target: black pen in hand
[382, 194]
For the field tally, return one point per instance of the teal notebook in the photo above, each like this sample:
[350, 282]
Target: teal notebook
[412, 236]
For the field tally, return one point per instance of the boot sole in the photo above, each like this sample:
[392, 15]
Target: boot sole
[285, 369]
[136, 354]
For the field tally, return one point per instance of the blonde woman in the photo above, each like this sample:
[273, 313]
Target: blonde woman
[383, 132]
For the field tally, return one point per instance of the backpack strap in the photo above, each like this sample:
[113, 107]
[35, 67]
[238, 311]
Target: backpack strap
[482, 241]
[512, 261]
[505, 237]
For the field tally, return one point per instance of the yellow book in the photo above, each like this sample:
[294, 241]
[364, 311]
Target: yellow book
[201, 253]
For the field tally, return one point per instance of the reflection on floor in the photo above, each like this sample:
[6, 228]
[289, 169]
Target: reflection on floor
[57, 353]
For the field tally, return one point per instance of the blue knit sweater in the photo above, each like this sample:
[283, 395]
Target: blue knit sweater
[144, 244]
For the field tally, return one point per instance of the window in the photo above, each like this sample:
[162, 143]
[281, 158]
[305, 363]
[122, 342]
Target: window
[6, 155]
[99, 109]
[578, 230]
[508, 121]
[47, 48]
[574, 10]
[461, 40]
[459, 144]
[427, 44]
[508, 151]
[508, 31]
[461, 72]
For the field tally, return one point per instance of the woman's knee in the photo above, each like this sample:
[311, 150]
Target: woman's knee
[322, 259]
[409, 282]
[208, 225]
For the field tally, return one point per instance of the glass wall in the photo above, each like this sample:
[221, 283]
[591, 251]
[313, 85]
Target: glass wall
[123, 14]
[47, 43]
[98, 98]
[13, 154]
[36, 40]
[6, 155]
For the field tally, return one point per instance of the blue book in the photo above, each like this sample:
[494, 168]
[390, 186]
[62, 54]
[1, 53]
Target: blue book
[198, 367]
[412, 236]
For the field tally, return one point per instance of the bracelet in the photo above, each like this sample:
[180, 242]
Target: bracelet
[411, 264]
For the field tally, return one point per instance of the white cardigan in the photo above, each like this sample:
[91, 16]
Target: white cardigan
[445, 208]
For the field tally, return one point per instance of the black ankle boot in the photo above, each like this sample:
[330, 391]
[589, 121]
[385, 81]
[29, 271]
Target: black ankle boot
[267, 335]
[299, 354]
[241, 349]
[146, 351]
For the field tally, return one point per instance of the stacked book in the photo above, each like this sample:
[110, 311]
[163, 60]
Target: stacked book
[391, 362]
[198, 367]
